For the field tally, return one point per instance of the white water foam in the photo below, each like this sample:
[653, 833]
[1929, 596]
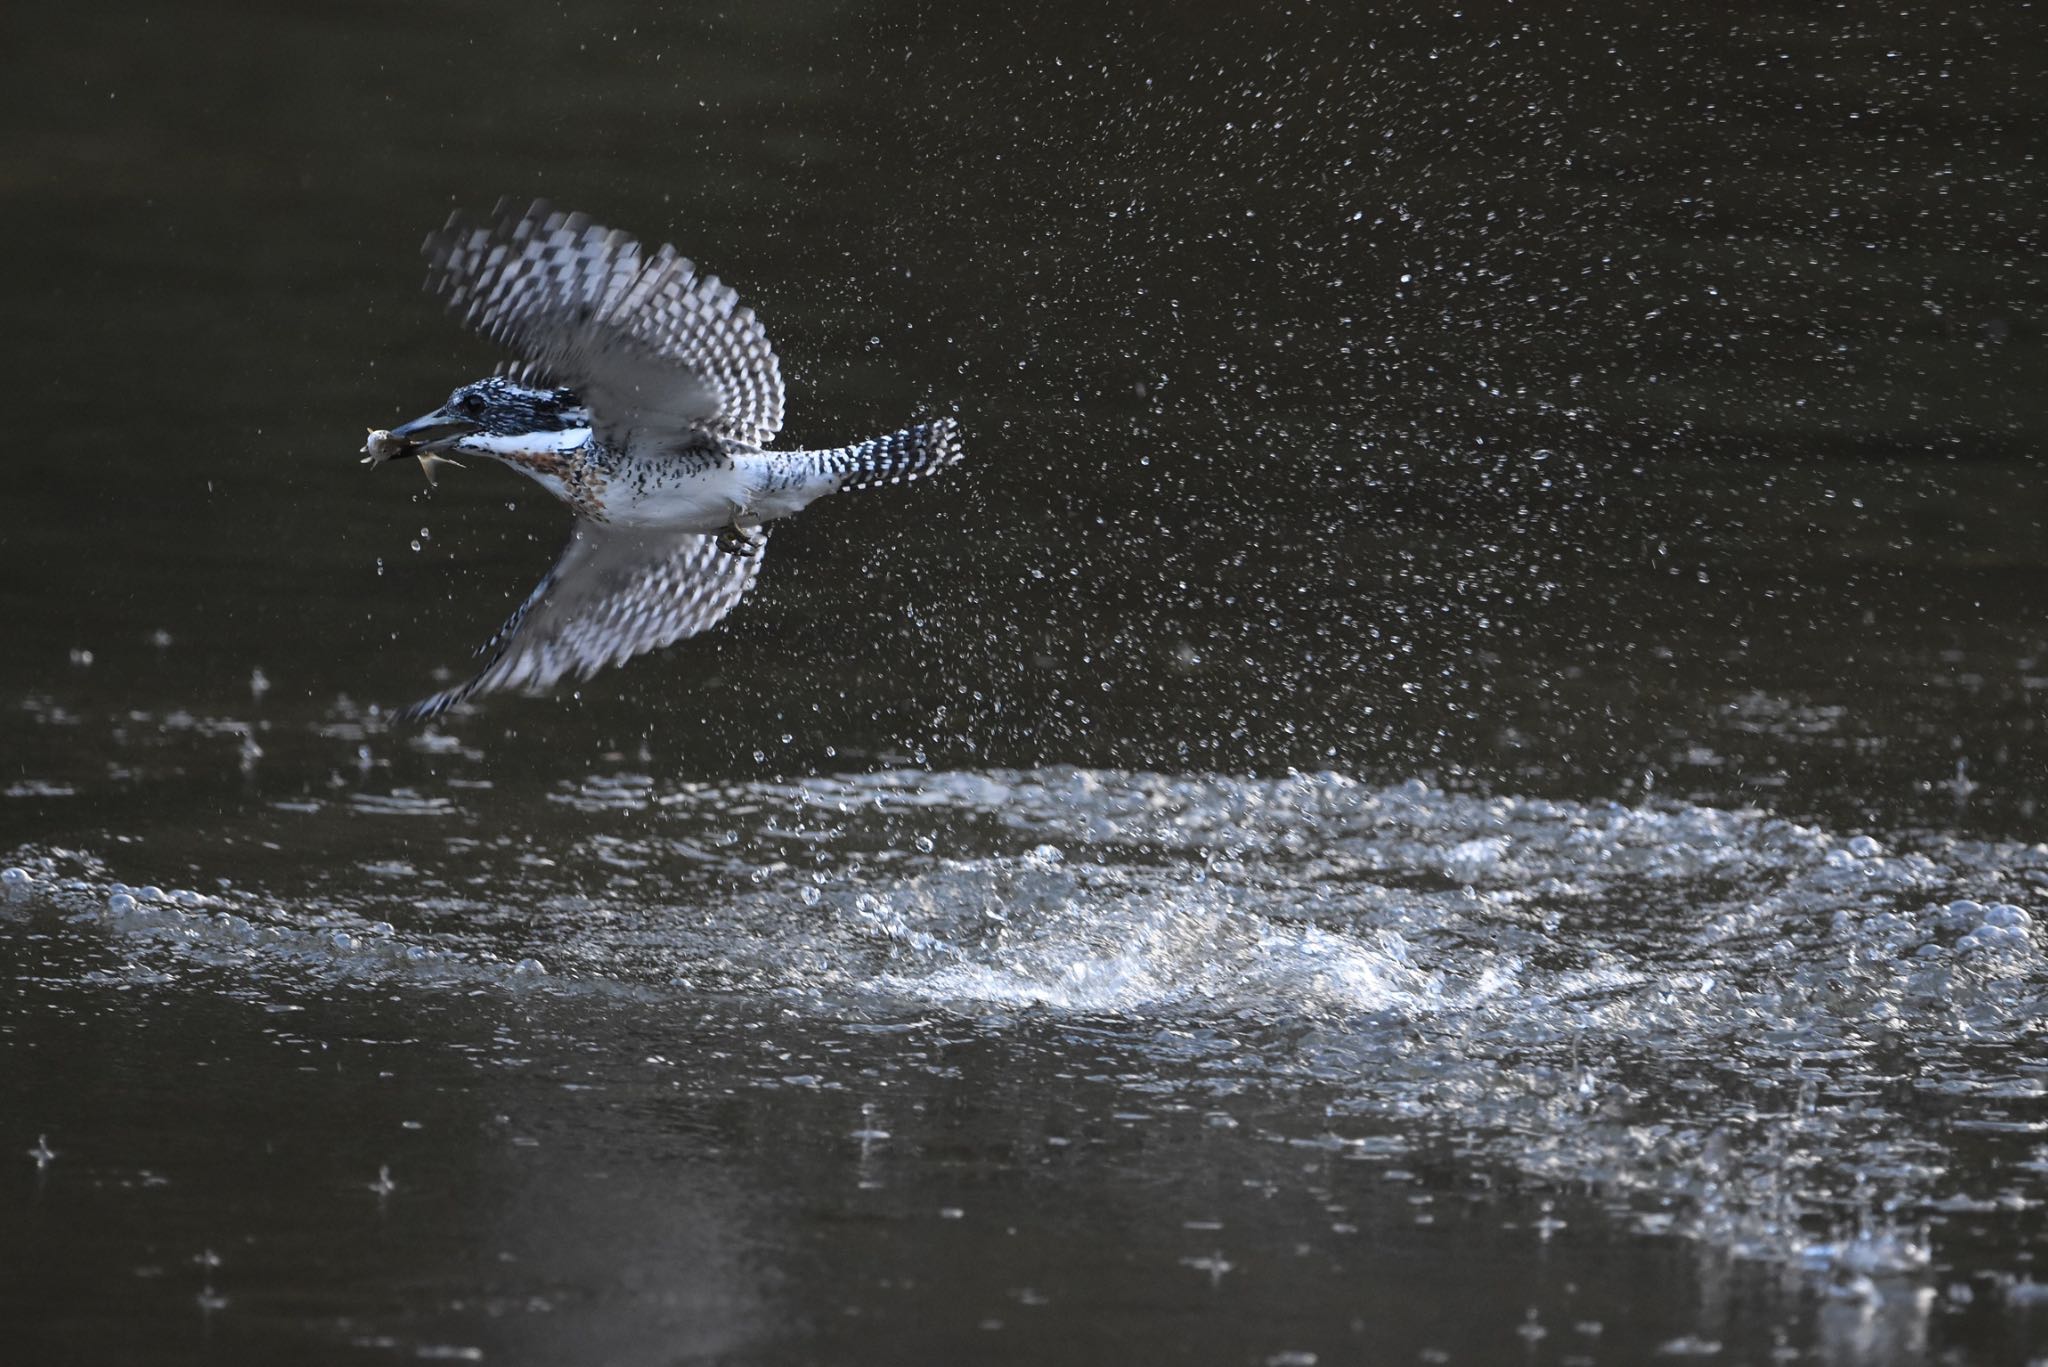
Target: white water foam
[1748, 1031]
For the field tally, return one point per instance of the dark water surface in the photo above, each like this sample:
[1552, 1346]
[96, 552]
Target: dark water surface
[1458, 779]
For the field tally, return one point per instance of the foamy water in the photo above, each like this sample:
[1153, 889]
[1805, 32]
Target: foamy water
[1764, 1036]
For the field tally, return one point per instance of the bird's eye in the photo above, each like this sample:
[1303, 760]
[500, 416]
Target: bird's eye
[472, 403]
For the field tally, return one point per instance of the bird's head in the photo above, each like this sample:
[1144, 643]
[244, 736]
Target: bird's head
[493, 407]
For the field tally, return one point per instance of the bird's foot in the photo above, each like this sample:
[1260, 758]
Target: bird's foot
[738, 540]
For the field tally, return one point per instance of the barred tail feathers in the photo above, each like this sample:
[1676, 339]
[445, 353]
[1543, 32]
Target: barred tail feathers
[897, 458]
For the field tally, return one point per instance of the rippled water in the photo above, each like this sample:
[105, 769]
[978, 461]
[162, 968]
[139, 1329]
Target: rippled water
[1811, 1062]
[1455, 779]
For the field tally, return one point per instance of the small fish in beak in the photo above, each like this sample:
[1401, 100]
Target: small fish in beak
[423, 439]
[382, 448]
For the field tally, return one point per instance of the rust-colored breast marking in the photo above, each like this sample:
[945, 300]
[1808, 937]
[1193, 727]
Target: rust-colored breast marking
[582, 486]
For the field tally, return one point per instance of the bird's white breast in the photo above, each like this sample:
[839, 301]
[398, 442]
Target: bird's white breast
[705, 499]
[557, 461]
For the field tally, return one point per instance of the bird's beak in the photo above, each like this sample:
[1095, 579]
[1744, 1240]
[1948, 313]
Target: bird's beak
[438, 428]
[424, 438]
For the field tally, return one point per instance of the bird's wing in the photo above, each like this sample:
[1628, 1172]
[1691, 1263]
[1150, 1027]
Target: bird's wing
[651, 345]
[613, 594]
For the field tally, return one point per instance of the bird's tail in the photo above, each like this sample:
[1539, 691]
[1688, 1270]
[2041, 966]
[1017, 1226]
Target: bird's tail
[895, 459]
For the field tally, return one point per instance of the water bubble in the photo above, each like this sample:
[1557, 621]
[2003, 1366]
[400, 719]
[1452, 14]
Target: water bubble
[868, 1133]
[924, 844]
[1989, 939]
[1689, 1346]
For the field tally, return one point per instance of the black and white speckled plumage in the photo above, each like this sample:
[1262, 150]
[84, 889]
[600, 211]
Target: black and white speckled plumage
[899, 458]
[612, 595]
[650, 344]
[642, 399]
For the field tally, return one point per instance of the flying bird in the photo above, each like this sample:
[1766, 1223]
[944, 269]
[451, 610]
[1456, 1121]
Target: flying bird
[644, 397]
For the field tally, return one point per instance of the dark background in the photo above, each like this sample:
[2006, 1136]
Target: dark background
[1545, 416]
[1554, 401]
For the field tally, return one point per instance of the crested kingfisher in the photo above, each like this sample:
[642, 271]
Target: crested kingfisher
[644, 397]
